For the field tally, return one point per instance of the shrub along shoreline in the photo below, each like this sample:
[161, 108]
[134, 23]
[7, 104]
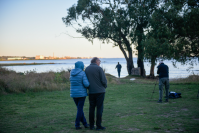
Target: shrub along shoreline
[31, 81]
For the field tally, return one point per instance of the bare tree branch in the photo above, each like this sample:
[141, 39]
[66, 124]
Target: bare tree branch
[68, 35]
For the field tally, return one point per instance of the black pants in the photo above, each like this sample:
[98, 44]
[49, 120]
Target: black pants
[80, 114]
[96, 100]
[119, 73]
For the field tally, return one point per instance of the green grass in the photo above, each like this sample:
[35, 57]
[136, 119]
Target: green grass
[128, 107]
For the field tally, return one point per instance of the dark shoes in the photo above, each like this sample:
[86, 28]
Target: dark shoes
[78, 128]
[159, 101]
[92, 128]
[87, 126]
[100, 128]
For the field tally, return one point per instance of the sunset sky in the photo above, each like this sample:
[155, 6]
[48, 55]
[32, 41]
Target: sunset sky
[35, 27]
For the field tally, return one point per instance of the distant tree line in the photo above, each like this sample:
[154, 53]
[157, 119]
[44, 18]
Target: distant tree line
[2, 58]
[156, 28]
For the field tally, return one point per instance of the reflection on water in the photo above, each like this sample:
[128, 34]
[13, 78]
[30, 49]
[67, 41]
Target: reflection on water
[108, 64]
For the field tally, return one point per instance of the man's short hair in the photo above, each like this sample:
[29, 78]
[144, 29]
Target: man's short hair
[94, 60]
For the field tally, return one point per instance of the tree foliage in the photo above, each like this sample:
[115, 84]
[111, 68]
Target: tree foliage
[173, 32]
[119, 21]
[167, 28]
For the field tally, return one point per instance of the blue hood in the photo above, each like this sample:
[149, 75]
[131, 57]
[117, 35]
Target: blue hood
[78, 68]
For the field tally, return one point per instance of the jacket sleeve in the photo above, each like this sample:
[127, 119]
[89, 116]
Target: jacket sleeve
[85, 80]
[103, 78]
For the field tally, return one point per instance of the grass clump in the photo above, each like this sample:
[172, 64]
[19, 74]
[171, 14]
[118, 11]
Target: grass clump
[190, 79]
[11, 81]
[112, 79]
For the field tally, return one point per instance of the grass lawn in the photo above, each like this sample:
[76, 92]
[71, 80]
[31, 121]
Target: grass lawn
[128, 107]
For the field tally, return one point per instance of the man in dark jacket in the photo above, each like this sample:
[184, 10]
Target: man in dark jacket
[98, 84]
[118, 69]
[163, 72]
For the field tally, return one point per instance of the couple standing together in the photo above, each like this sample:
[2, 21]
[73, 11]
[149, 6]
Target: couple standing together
[93, 79]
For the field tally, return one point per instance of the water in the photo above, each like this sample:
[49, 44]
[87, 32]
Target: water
[108, 64]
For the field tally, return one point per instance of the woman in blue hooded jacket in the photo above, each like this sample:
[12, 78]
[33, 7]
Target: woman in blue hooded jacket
[78, 92]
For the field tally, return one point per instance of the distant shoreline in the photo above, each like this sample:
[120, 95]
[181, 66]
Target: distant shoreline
[17, 64]
[33, 59]
[62, 59]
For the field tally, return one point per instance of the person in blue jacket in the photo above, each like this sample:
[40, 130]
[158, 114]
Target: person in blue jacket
[78, 91]
[118, 66]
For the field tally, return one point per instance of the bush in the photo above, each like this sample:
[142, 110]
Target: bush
[190, 79]
[5, 71]
[11, 81]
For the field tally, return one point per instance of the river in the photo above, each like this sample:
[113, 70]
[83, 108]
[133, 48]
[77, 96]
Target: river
[108, 64]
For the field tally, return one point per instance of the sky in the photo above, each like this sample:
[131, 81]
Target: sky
[35, 27]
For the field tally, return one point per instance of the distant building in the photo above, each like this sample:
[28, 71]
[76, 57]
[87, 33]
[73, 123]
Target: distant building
[39, 57]
[30, 58]
[46, 57]
[50, 57]
[67, 57]
[14, 58]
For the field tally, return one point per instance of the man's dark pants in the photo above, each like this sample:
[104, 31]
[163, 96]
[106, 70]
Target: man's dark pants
[80, 115]
[119, 73]
[96, 100]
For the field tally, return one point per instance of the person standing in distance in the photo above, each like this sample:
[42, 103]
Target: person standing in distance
[118, 69]
[98, 84]
[163, 71]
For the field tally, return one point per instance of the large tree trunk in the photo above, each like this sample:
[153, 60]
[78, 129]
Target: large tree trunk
[130, 63]
[152, 68]
[141, 66]
[140, 49]
[129, 60]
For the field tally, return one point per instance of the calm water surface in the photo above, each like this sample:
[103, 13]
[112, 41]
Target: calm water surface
[108, 64]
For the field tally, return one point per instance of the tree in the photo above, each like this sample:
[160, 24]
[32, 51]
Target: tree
[174, 32]
[141, 12]
[117, 21]
[156, 42]
[185, 29]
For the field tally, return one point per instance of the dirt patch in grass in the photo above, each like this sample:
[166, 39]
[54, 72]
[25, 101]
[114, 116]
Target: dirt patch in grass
[133, 129]
[184, 109]
[128, 129]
